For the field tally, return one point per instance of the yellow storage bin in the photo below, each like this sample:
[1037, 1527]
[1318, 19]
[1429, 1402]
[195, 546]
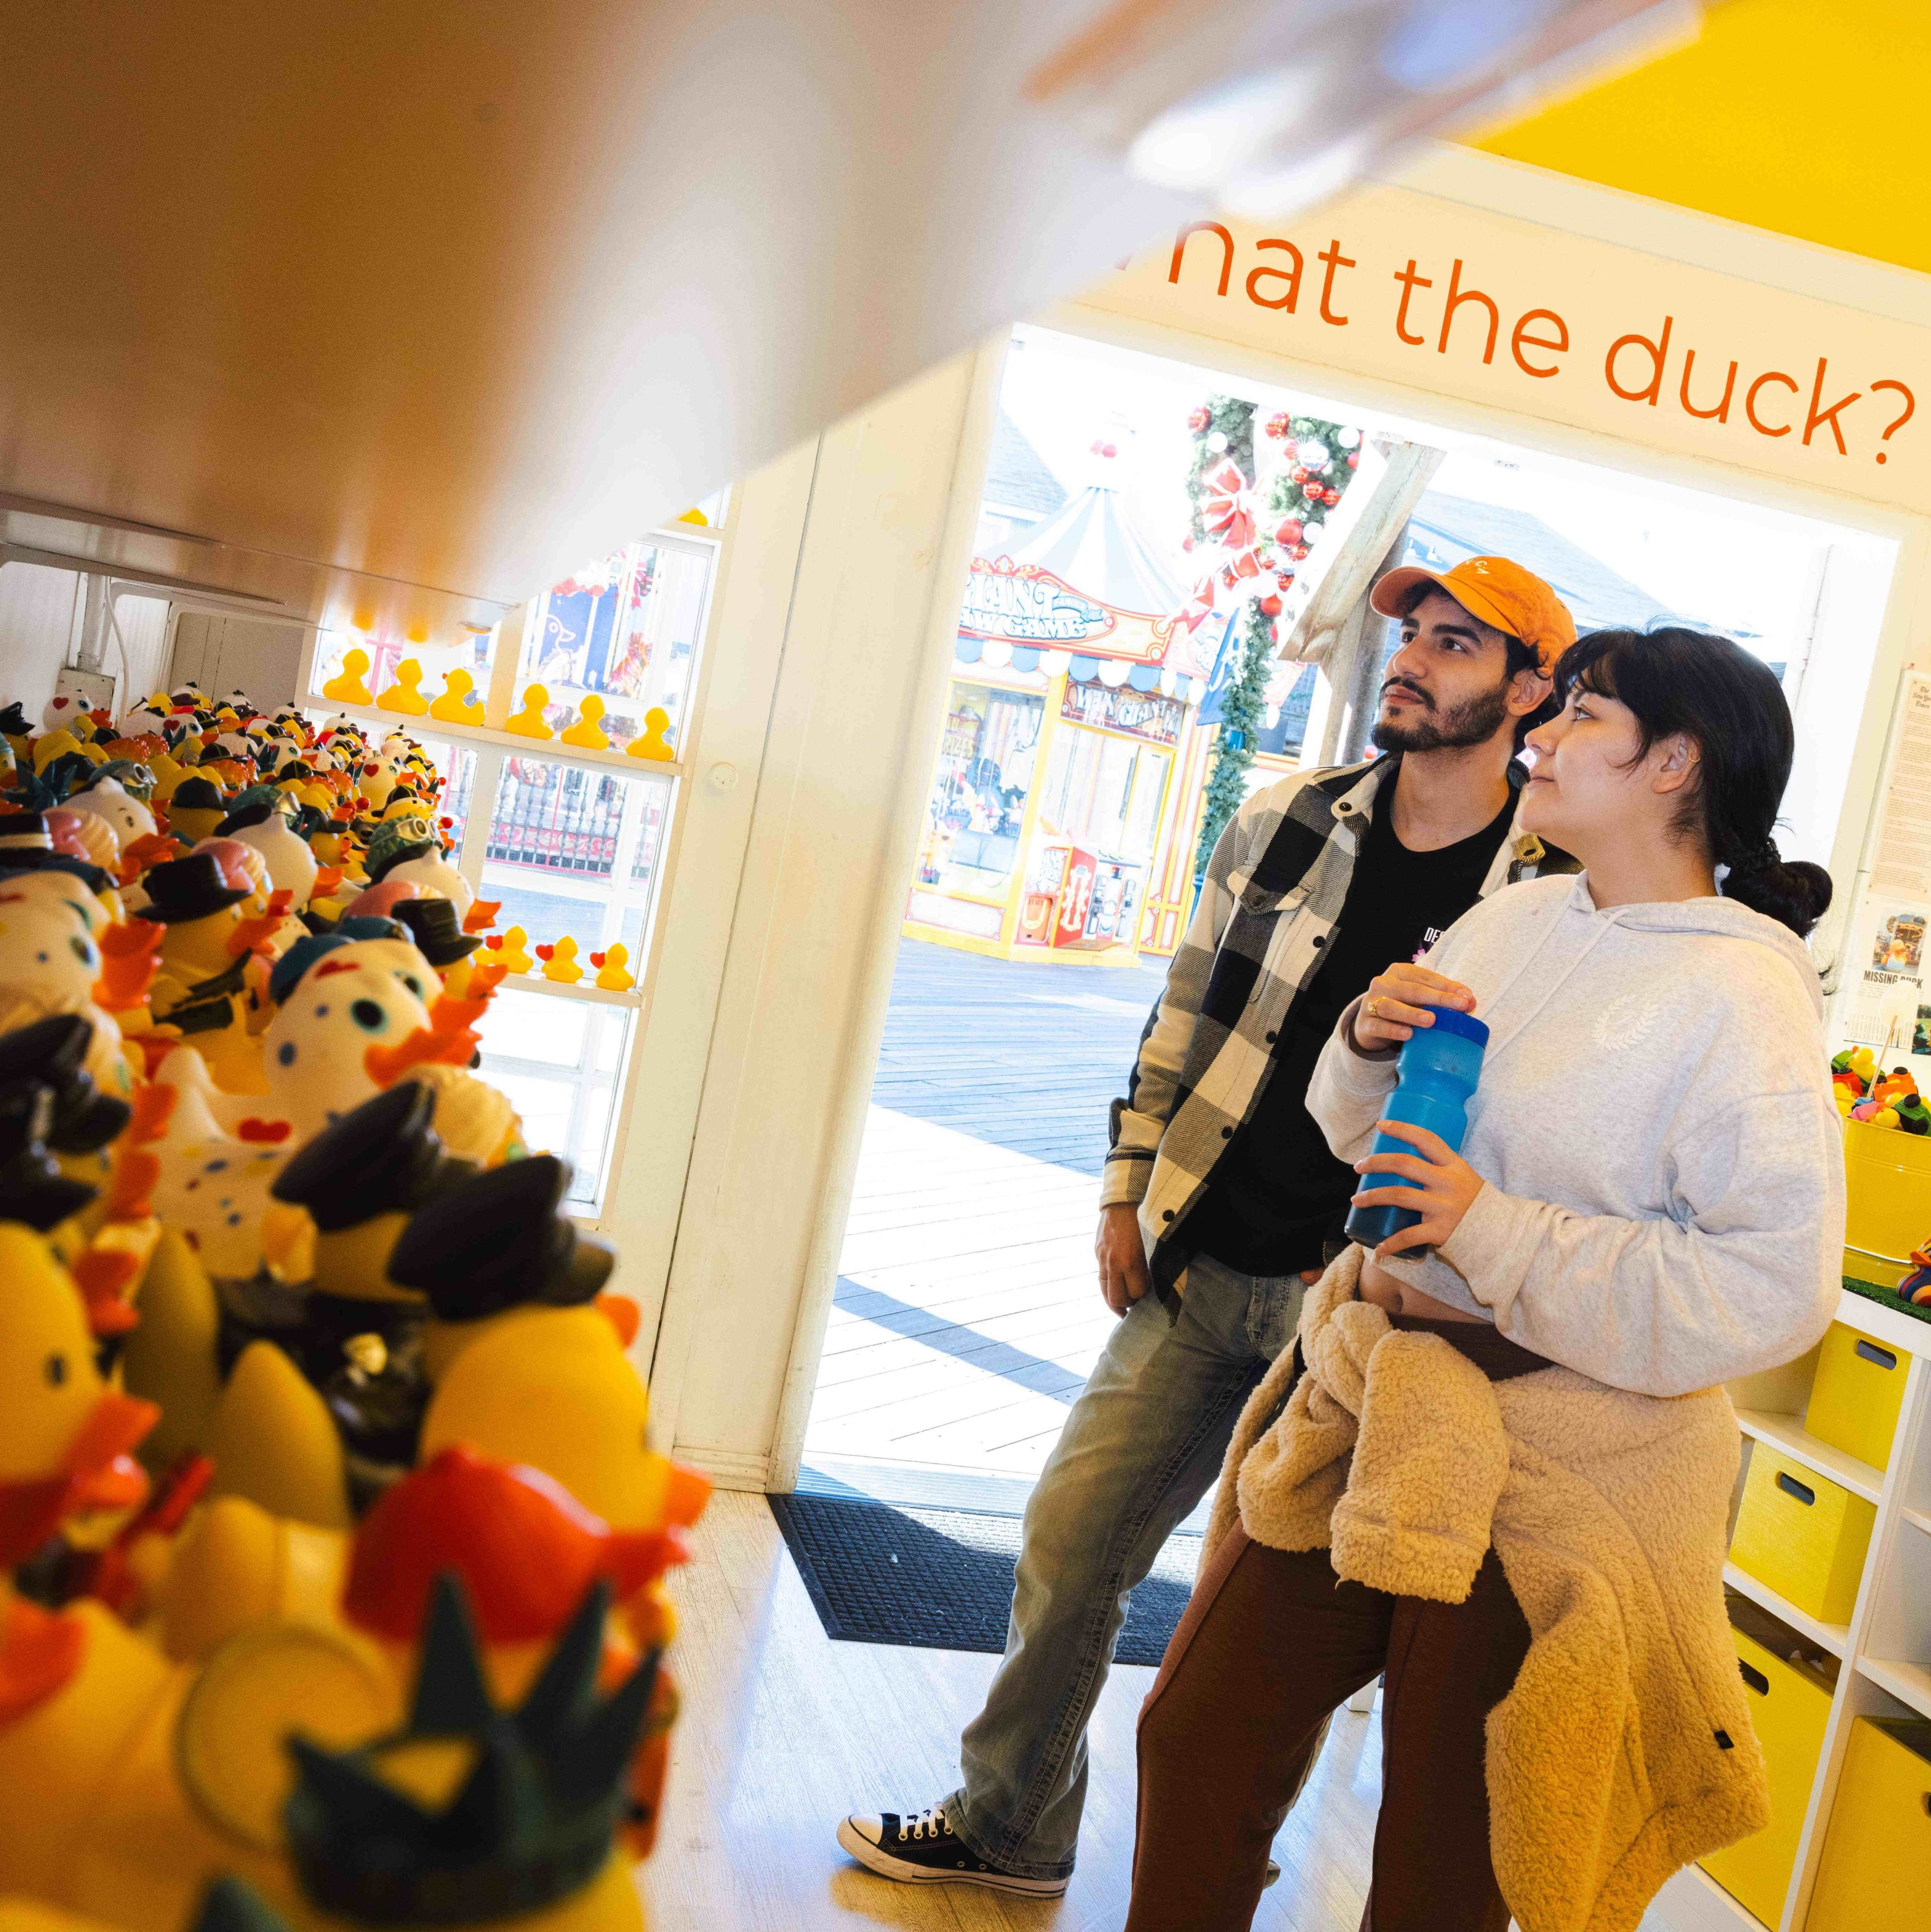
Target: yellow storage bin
[1858, 1389]
[1887, 1195]
[1875, 1874]
[1802, 1534]
[1789, 1703]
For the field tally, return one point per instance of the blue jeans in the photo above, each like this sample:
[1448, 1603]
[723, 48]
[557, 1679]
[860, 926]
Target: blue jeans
[1142, 1445]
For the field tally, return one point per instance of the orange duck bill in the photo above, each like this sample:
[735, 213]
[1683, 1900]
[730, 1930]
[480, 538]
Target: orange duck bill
[99, 1474]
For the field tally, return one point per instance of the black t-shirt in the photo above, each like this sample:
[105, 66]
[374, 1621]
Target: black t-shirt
[1277, 1193]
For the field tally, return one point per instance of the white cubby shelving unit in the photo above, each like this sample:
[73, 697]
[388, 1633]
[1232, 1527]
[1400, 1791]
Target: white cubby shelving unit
[1884, 1650]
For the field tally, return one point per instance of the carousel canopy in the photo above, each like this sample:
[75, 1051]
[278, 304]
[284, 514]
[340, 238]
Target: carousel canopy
[1084, 584]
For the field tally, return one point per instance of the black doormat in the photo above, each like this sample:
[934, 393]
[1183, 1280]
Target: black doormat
[942, 1579]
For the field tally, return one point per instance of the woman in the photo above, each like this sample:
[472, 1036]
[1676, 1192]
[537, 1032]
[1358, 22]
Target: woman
[1494, 1479]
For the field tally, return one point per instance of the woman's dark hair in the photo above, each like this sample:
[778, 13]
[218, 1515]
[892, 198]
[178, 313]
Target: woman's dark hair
[1677, 680]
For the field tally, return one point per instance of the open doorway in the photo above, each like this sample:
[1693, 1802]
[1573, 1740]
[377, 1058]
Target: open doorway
[1099, 727]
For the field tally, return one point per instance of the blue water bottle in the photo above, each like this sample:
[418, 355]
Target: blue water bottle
[1436, 1074]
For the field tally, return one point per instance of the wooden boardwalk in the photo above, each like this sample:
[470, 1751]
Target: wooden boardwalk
[966, 1318]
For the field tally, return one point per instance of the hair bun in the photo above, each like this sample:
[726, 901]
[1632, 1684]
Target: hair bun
[1794, 893]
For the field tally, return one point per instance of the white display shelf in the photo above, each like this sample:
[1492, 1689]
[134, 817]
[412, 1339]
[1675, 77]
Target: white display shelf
[1787, 1433]
[1918, 1518]
[1908, 1683]
[1833, 1637]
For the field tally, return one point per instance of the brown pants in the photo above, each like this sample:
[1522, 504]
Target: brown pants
[1270, 1644]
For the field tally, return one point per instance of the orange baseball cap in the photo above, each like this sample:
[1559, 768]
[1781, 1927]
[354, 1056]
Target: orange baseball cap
[1501, 594]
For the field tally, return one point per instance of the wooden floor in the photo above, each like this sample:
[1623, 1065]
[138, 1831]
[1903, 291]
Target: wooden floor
[966, 1318]
[784, 1731]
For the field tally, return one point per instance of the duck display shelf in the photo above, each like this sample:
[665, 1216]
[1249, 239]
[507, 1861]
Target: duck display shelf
[322, 1456]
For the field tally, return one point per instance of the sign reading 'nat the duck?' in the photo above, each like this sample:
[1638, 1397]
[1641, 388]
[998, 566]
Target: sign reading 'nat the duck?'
[1025, 604]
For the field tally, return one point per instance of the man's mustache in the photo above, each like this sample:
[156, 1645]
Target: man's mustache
[1403, 684]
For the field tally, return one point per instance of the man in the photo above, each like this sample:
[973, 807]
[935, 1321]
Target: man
[1221, 1200]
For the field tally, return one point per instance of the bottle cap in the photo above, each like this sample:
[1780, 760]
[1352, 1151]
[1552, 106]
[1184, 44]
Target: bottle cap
[1448, 1020]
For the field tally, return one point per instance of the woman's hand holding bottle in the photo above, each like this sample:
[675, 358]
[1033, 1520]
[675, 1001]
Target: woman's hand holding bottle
[1398, 1001]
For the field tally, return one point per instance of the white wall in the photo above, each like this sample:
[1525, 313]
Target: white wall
[41, 615]
[39, 618]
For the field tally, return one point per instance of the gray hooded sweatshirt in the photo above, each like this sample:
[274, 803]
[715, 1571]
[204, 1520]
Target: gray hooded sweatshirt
[1662, 1205]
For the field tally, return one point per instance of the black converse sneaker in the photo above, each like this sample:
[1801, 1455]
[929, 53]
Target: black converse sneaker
[925, 1850]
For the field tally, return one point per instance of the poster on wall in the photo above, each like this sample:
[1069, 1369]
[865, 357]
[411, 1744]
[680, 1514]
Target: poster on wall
[1882, 1001]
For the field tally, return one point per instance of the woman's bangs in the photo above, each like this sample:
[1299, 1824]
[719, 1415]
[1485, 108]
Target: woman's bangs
[1588, 665]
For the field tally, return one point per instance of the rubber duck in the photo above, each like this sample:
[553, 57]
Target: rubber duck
[587, 733]
[509, 948]
[53, 1054]
[487, 1808]
[559, 961]
[335, 1000]
[108, 799]
[613, 967]
[402, 698]
[50, 925]
[653, 741]
[347, 687]
[527, 1363]
[459, 703]
[409, 849]
[326, 1399]
[203, 987]
[530, 722]
[196, 809]
[84, 835]
[291, 865]
[435, 925]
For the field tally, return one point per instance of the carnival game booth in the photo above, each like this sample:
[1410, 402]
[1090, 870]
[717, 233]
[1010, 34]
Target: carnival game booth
[1059, 827]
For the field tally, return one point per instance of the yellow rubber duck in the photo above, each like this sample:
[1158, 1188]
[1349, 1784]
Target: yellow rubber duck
[559, 961]
[509, 950]
[587, 733]
[402, 699]
[653, 741]
[612, 966]
[347, 687]
[459, 703]
[530, 722]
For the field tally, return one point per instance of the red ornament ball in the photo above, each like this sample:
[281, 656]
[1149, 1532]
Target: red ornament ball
[1197, 418]
[1354, 459]
[1280, 427]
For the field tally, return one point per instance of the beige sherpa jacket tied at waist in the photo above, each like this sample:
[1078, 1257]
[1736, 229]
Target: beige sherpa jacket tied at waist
[1624, 1751]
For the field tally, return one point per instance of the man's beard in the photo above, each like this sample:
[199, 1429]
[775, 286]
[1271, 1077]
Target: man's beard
[1474, 722]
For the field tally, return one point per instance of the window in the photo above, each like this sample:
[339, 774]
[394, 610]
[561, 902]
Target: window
[574, 839]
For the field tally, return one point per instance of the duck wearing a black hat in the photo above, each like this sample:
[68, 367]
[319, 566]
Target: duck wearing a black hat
[438, 933]
[52, 1053]
[33, 1189]
[201, 980]
[353, 1333]
[196, 809]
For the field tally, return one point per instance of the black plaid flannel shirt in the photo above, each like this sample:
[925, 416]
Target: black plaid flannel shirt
[1273, 891]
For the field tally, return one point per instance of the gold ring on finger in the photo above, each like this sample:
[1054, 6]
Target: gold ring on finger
[1374, 1009]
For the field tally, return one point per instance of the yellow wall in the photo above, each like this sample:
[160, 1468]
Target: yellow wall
[1798, 116]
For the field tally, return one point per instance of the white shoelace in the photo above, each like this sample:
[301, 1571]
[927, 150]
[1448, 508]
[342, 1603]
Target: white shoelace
[930, 1823]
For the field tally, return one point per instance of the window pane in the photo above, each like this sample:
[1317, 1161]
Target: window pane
[577, 851]
[560, 1062]
[627, 628]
